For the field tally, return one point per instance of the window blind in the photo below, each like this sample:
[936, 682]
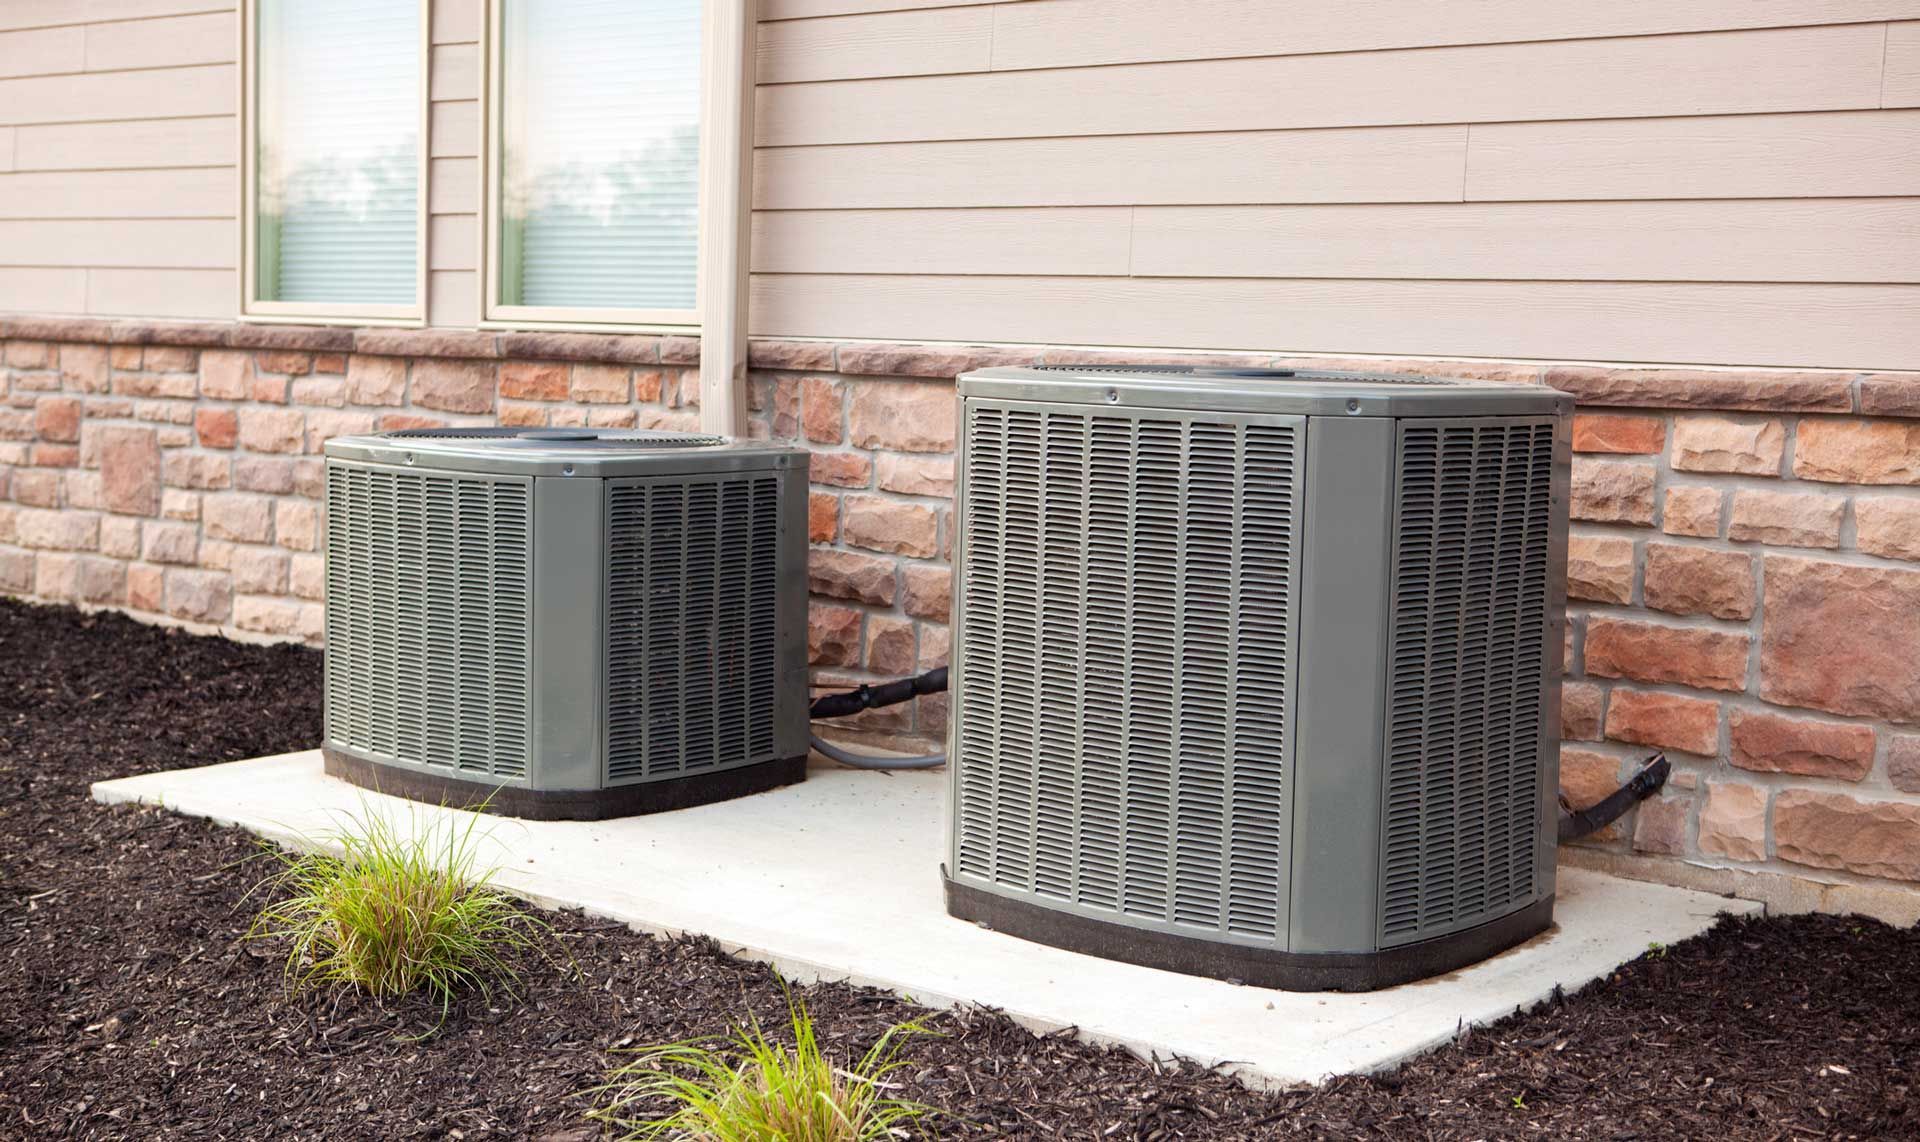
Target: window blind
[338, 114]
[600, 163]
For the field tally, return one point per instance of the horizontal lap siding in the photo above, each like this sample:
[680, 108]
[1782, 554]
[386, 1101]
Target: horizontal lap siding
[453, 174]
[1869, 326]
[118, 142]
[1715, 182]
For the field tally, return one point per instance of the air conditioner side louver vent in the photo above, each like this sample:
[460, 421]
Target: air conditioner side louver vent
[428, 581]
[1467, 665]
[1126, 663]
[691, 620]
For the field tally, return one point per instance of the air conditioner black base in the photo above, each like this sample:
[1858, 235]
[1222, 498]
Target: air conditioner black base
[566, 804]
[1286, 971]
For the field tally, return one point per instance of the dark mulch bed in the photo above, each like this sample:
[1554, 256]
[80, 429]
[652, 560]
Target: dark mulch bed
[131, 1008]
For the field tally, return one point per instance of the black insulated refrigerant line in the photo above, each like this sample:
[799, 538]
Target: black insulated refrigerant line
[872, 697]
[1574, 823]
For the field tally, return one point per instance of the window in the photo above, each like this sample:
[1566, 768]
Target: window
[335, 169]
[593, 181]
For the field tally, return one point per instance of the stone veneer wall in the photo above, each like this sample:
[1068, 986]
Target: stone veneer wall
[1744, 570]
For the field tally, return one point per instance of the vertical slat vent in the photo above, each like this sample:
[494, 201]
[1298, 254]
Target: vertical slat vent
[427, 619]
[1472, 541]
[1125, 636]
[691, 615]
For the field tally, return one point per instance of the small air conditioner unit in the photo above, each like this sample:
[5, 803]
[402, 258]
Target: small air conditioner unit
[573, 623]
[1256, 673]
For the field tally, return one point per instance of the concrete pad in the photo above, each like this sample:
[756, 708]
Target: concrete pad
[837, 878]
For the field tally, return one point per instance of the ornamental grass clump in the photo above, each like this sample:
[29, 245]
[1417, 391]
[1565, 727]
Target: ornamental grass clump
[397, 913]
[747, 1088]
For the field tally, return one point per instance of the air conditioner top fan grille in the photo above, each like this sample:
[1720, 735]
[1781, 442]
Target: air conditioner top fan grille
[1242, 372]
[1246, 389]
[590, 437]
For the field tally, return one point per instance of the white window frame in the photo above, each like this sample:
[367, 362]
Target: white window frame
[724, 71]
[252, 308]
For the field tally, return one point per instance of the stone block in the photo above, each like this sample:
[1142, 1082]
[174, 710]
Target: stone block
[533, 380]
[1660, 825]
[196, 470]
[1720, 444]
[1582, 706]
[1664, 721]
[376, 380]
[840, 469]
[1618, 432]
[879, 523]
[266, 616]
[916, 475]
[927, 591]
[601, 384]
[260, 570]
[1599, 568]
[272, 429]
[1844, 451]
[890, 646]
[1888, 526]
[146, 587]
[1788, 519]
[454, 386]
[833, 635]
[216, 427]
[850, 575]
[270, 474]
[1773, 743]
[1686, 580]
[823, 517]
[320, 392]
[176, 543]
[1733, 822]
[822, 405]
[120, 537]
[129, 460]
[1903, 762]
[1651, 652]
[199, 596]
[1835, 831]
[1612, 491]
[1841, 638]
[83, 369]
[57, 419]
[904, 416]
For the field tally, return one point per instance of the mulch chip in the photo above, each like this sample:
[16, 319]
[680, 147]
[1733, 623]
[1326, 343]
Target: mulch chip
[131, 1006]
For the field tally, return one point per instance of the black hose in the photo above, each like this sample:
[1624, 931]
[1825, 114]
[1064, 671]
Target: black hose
[885, 694]
[1577, 823]
[866, 697]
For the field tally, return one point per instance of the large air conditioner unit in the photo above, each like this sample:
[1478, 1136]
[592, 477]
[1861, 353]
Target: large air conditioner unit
[1256, 673]
[565, 623]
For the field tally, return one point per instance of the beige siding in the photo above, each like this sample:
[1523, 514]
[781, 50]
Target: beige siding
[1731, 156]
[453, 140]
[150, 144]
[1718, 181]
[175, 42]
[1628, 321]
[118, 190]
[1902, 87]
[1081, 33]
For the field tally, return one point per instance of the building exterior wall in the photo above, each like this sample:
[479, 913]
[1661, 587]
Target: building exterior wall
[1505, 189]
[1744, 568]
[1507, 178]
